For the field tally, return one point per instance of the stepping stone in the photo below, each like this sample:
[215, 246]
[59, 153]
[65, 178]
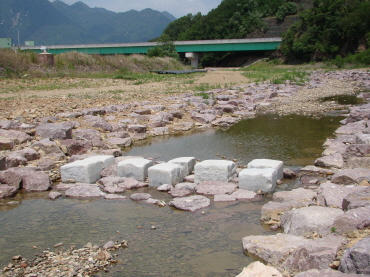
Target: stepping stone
[87, 170]
[187, 163]
[255, 179]
[165, 173]
[267, 163]
[214, 170]
[136, 168]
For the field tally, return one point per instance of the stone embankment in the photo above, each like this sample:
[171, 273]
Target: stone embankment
[37, 151]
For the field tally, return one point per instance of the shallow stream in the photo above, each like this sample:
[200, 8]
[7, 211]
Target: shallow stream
[182, 243]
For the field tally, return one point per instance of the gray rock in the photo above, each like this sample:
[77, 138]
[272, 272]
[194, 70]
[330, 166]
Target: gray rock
[136, 128]
[119, 142]
[11, 178]
[260, 270]
[357, 258]
[114, 197]
[243, 194]
[273, 210]
[165, 187]
[224, 198]
[191, 203]
[84, 191]
[299, 194]
[140, 196]
[203, 118]
[76, 147]
[357, 200]
[351, 128]
[180, 192]
[294, 253]
[351, 176]
[225, 121]
[327, 273]
[189, 186]
[358, 162]
[332, 195]
[54, 195]
[309, 220]
[36, 181]
[216, 187]
[7, 191]
[333, 160]
[47, 146]
[17, 136]
[355, 219]
[54, 131]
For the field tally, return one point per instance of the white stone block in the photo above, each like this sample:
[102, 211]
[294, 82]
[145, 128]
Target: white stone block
[255, 179]
[107, 160]
[187, 163]
[82, 171]
[267, 163]
[135, 168]
[165, 173]
[214, 170]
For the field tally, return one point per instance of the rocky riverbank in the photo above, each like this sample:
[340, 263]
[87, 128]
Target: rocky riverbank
[36, 144]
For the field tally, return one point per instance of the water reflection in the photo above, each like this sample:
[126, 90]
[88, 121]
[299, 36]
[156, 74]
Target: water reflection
[294, 139]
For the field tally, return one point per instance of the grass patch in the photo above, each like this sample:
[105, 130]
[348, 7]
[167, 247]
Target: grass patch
[277, 74]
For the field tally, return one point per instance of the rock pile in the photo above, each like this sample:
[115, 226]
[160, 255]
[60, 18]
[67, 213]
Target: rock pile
[73, 262]
[36, 151]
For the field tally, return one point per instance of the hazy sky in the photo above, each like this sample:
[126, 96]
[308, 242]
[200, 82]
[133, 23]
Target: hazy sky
[177, 8]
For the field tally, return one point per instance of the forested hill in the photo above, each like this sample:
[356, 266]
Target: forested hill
[330, 29]
[232, 19]
[56, 23]
[323, 30]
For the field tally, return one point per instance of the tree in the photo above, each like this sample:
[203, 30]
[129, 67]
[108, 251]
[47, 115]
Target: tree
[164, 48]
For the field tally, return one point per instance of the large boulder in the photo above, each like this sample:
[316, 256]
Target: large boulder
[308, 220]
[332, 195]
[351, 176]
[273, 210]
[7, 191]
[353, 219]
[357, 258]
[294, 253]
[36, 181]
[357, 199]
[54, 131]
[333, 160]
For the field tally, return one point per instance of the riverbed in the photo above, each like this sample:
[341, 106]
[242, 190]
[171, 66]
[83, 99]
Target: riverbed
[165, 241]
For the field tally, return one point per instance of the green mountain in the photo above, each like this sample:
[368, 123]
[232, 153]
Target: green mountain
[56, 23]
[111, 27]
[40, 21]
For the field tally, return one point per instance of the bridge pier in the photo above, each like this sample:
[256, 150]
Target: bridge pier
[194, 58]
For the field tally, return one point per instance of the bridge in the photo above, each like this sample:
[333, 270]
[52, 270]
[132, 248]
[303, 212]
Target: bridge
[192, 49]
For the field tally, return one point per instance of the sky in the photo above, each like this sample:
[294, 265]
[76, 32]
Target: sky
[177, 8]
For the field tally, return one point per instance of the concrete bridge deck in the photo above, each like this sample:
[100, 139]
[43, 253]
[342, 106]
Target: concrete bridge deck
[193, 49]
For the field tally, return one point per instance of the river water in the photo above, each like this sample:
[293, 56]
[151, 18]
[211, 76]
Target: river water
[182, 243]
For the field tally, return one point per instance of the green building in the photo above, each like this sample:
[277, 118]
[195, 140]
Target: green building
[5, 42]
